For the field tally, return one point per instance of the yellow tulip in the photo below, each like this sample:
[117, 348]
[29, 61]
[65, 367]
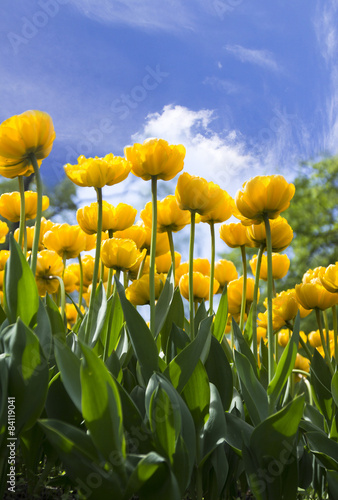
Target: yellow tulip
[155, 158]
[169, 216]
[98, 172]
[280, 266]
[302, 363]
[113, 218]
[162, 242]
[281, 234]
[314, 295]
[163, 262]
[201, 284]
[315, 340]
[329, 279]
[88, 270]
[68, 241]
[235, 290]
[71, 314]
[3, 231]
[4, 256]
[10, 205]
[196, 194]
[235, 235]
[138, 292]
[137, 233]
[30, 231]
[225, 271]
[49, 264]
[70, 280]
[32, 132]
[199, 265]
[221, 211]
[120, 254]
[263, 195]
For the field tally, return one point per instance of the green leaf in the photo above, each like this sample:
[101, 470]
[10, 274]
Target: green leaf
[243, 347]
[321, 383]
[214, 429]
[175, 316]
[21, 296]
[332, 480]
[59, 404]
[69, 366]
[324, 448]
[163, 304]
[200, 315]
[55, 318]
[237, 431]
[182, 366]
[99, 318]
[285, 365]
[3, 398]
[196, 394]
[334, 388]
[219, 372]
[221, 316]
[28, 373]
[140, 336]
[248, 330]
[43, 330]
[253, 392]
[101, 407]
[177, 341]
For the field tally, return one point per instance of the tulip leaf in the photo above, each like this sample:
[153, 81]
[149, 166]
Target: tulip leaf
[43, 330]
[237, 431]
[177, 341]
[221, 317]
[334, 388]
[219, 372]
[3, 397]
[243, 347]
[55, 318]
[214, 429]
[285, 365]
[21, 296]
[321, 384]
[253, 392]
[175, 316]
[101, 407]
[200, 315]
[182, 366]
[164, 301]
[196, 394]
[140, 336]
[324, 448]
[69, 366]
[28, 373]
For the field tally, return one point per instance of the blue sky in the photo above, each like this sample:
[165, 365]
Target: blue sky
[247, 86]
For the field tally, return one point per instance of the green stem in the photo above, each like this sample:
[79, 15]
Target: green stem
[107, 342]
[305, 347]
[35, 247]
[62, 295]
[125, 279]
[172, 251]
[191, 275]
[111, 271]
[153, 253]
[326, 323]
[81, 283]
[140, 269]
[22, 240]
[255, 301]
[334, 320]
[243, 305]
[326, 352]
[271, 366]
[212, 268]
[96, 262]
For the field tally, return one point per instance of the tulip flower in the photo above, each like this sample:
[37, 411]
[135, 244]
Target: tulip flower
[113, 218]
[66, 240]
[138, 292]
[3, 231]
[49, 264]
[201, 286]
[10, 205]
[280, 266]
[225, 271]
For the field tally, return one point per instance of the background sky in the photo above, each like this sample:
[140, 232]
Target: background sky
[248, 86]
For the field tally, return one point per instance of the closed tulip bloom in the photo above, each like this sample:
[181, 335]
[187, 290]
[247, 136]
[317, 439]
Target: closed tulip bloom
[196, 194]
[263, 195]
[4, 256]
[225, 271]
[74, 269]
[280, 266]
[32, 132]
[235, 235]
[284, 305]
[98, 172]
[284, 336]
[113, 218]
[138, 292]
[315, 340]
[169, 216]
[302, 312]
[302, 363]
[155, 158]
[235, 290]
[88, 262]
[66, 240]
[162, 242]
[3, 231]
[134, 270]
[313, 295]
[199, 265]
[329, 279]
[10, 205]
[137, 233]
[201, 284]
[222, 210]
[71, 314]
[49, 264]
[277, 321]
[281, 234]
[163, 262]
[261, 334]
[120, 254]
[70, 280]
[30, 231]
[331, 349]
[91, 241]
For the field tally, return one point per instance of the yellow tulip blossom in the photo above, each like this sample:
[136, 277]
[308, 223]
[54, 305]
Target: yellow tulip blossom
[113, 218]
[201, 284]
[66, 240]
[315, 340]
[281, 234]
[280, 266]
[197, 195]
[221, 211]
[98, 172]
[70, 280]
[263, 195]
[120, 254]
[3, 231]
[225, 271]
[49, 264]
[162, 242]
[163, 262]
[138, 292]
[10, 205]
[155, 158]
[169, 215]
[329, 279]
[235, 235]
[32, 132]
[235, 290]
[302, 363]
[4, 256]
[313, 295]
[137, 233]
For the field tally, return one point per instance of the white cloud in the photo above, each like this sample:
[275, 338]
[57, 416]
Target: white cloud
[222, 84]
[167, 15]
[263, 58]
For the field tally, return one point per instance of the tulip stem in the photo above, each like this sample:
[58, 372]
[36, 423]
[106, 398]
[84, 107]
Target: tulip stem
[334, 321]
[22, 240]
[271, 361]
[153, 253]
[241, 321]
[212, 268]
[107, 341]
[36, 239]
[140, 269]
[110, 272]
[81, 284]
[255, 301]
[191, 274]
[96, 262]
[172, 251]
[321, 333]
[326, 323]
[62, 294]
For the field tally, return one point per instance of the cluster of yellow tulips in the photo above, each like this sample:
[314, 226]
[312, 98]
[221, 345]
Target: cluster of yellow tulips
[144, 251]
